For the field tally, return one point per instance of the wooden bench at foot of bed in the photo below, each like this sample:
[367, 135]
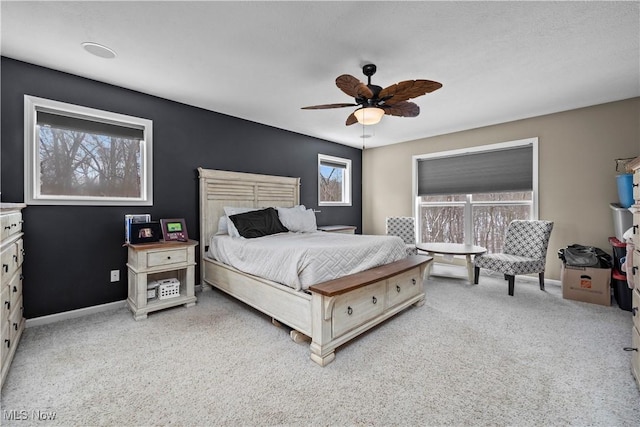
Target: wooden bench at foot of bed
[335, 311]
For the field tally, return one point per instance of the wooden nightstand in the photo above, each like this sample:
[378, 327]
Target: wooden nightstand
[150, 262]
[346, 229]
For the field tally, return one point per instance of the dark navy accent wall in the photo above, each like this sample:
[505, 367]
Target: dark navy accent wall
[70, 250]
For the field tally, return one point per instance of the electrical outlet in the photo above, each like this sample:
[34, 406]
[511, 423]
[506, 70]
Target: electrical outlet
[115, 275]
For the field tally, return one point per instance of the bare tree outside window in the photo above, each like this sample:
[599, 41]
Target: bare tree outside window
[331, 183]
[443, 217]
[74, 163]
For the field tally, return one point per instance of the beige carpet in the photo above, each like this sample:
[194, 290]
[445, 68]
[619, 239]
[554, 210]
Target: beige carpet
[471, 355]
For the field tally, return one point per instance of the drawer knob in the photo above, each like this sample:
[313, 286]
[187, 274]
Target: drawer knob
[633, 270]
[374, 300]
[397, 288]
[634, 310]
[8, 342]
[168, 257]
[634, 185]
[15, 289]
[15, 258]
[635, 228]
[8, 304]
[7, 227]
[15, 326]
[5, 267]
[630, 349]
[413, 281]
[349, 310]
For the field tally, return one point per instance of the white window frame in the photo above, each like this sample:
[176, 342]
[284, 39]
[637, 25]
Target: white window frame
[467, 203]
[32, 194]
[346, 180]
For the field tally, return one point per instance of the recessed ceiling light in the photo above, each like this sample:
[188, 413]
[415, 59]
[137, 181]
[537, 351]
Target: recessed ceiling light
[98, 50]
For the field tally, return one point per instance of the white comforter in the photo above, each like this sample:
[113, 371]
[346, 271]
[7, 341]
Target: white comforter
[299, 260]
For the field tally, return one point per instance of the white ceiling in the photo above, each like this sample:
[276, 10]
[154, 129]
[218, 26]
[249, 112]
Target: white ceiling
[262, 61]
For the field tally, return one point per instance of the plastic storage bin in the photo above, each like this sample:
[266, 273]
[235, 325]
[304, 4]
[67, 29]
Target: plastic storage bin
[622, 220]
[625, 189]
[621, 291]
[619, 253]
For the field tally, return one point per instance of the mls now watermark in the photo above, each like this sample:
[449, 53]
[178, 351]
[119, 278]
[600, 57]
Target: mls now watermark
[28, 415]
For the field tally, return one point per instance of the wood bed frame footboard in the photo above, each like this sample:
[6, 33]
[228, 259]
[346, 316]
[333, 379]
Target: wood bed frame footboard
[330, 313]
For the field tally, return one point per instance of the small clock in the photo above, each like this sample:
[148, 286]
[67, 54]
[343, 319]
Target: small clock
[174, 230]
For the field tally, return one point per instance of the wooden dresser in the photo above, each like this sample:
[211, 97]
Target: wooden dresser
[12, 254]
[635, 306]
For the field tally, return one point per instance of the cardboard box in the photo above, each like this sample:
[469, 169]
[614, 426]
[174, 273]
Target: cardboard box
[586, 284]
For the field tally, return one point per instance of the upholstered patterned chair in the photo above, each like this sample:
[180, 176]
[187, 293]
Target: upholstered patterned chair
[405, 228]
[525, 252]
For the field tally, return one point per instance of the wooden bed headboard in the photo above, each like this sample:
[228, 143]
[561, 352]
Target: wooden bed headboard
[224, 188]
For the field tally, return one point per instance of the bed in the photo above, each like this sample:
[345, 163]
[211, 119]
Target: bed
[329, 313]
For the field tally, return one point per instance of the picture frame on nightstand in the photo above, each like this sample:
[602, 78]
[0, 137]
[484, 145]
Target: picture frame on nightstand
[145, 232]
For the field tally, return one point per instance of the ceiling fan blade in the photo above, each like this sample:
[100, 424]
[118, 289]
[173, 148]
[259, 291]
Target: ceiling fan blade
[325, 106]
[407, 89]
[353, 87]
[351, 119]
[402, 109]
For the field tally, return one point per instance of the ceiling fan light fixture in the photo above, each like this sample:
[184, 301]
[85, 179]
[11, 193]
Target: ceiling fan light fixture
[369, 115]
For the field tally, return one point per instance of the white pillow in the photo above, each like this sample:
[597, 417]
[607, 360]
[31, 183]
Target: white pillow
[222, 225]
[234, 210]
[298, 220]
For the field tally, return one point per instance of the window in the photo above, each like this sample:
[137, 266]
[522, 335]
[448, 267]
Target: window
[334, 181]
[82, 156]
[471, 196]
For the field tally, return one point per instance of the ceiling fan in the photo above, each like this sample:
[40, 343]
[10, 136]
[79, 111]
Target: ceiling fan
[375, 101]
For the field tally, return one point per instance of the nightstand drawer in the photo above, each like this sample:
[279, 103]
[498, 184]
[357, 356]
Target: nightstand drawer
[173, 256]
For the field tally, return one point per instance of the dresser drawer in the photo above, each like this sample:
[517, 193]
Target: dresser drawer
[635, 270]
[635, 355]
[20, 251]
[15, 287]
[5, 310]
[636, 225]
[355, 308]
[9, 259]
[15, 319]
[636, 186]
[403, 287]
[173, 256]
[635, 307]
[6, 341]
[11, 224]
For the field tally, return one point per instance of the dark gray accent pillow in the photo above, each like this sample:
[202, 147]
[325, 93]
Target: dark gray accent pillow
[258, 223]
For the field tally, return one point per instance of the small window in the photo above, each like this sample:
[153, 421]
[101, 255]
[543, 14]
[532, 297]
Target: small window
[334, 181]
[83, 156]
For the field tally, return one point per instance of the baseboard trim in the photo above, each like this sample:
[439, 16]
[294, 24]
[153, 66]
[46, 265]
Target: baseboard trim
[72, 314]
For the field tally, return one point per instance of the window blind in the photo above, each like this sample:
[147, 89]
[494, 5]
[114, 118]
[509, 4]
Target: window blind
[89, 126]
[509, 169]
